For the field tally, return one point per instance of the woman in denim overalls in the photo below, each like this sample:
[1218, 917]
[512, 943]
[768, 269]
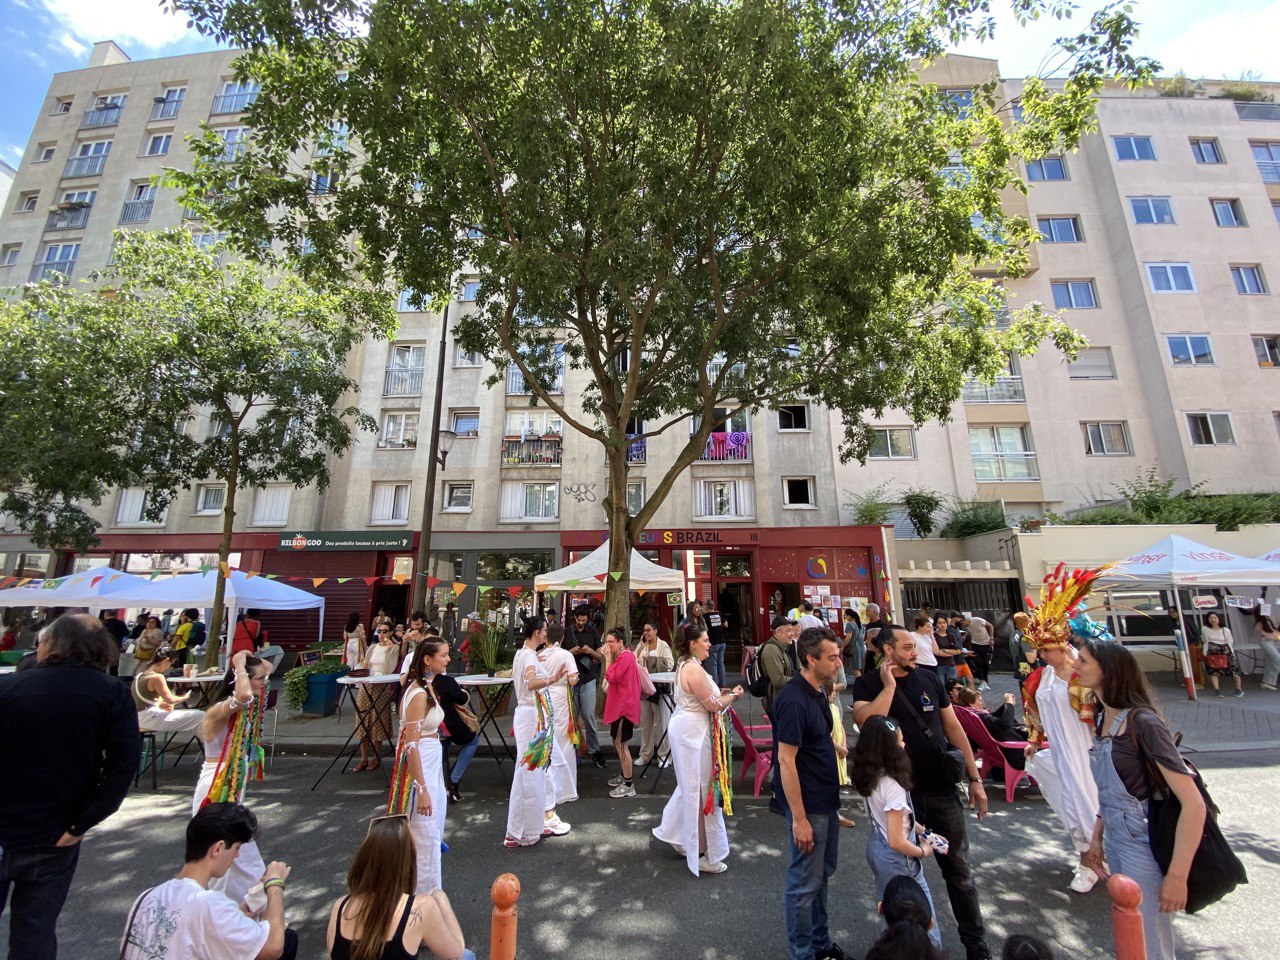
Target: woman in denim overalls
[1121, 831]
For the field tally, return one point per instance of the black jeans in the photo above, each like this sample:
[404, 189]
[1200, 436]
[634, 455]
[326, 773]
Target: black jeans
[39, 878]
[982, 662]
[943, 813]
[290, 945]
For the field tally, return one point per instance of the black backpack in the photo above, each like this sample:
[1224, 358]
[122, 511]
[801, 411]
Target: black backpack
[754, 677]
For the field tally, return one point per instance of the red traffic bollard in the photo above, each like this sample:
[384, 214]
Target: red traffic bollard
[502, 929]
[1126, 920]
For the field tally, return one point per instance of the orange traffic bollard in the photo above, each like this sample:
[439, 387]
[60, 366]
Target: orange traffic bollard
[502, 932]
[1126, 920]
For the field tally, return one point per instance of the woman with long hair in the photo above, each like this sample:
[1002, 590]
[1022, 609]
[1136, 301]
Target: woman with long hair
[1132, 735]
[232, 734]
[1269, 643]
[373, 700]
[528, 818]
[150, 640]
[621, 705]
[420, 719]
[855, 646]
[381, 918]
[155, 701]
[1221, 645]
[696, 834]
[353, 641]
[654, 655]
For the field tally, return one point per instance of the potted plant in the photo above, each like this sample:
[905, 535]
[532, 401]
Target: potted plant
[313, 687]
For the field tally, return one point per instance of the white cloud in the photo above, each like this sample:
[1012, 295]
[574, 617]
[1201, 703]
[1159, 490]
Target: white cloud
[1227, 44]
[73, 46]
[11, 153]
[138, 22]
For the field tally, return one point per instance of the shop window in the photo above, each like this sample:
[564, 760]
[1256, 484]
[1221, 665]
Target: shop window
[493, 566]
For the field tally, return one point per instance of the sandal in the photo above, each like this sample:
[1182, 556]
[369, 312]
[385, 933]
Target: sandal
[362, 765]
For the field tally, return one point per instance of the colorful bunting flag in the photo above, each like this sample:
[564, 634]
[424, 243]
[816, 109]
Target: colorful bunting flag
[225, 568]
[433, 582]
[458, 588]
[316, 581]
[343, 579]
[294, 579]
[250, 574]
[94, 582]
[24, 581]
[271, 576]
[616, 574]
[6, 581]
[400, 578]
[572, 582]
[514, 592]
[370, 581]
[154, 574]
[205, 568]
[640, 593]
[114, 577]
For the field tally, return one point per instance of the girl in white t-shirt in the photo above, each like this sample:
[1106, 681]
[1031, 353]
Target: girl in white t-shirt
[882, 774]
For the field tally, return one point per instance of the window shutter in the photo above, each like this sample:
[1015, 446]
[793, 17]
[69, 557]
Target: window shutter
[1093, 363]
[271, 505]
[512, 501]
[745, 495]
[131, 501]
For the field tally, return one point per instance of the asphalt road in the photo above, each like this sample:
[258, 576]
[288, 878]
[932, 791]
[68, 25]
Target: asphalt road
[606, 891]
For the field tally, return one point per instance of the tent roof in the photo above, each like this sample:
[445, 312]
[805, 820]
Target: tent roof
[645, 574]
[196, 590]
[88, 588]
[1177, 560]
[1272, 557]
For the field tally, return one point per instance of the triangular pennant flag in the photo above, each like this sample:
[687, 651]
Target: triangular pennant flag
[433, 582]
[551, 594]
[94, 582]
[482, 590]
[294, 579]
[205, 568]
[370, 581]
[225, 568]
[343, 579]
[154, 574]
[616, 574]
[250, 574]
[24, 581]
[400, 578]
[640, 593]
[6, 581]
[514, 592]
[271, 576]
[114, 577]
[316, 581]
[458, 588]
[600, 577]
[50, 585]
[572, 582]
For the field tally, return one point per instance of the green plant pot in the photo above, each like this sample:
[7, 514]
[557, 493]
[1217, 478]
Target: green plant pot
[322, 695]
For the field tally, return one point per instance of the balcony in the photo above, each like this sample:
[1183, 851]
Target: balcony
[1004, 390]
[73, 218]
[225, 103]
[56, 270]
[996, 467]
[136, 211]
[542, 452]
[638, 452]
[516, 384]
[402, 382]
[1270, 170]
[737, 372]
[732, 447]
[89, 166]
[165, 109]
[101, 117]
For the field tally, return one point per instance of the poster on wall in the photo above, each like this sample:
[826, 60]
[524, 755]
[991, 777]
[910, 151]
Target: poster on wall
[836, 601]
[1264, 609]
[824, 591]
[833, 614]
[1240, 603]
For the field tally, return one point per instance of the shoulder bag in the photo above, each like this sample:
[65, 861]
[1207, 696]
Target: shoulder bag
[950, 759]
[1215, 869]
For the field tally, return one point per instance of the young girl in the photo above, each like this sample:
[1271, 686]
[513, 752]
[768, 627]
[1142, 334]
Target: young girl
[882, 774]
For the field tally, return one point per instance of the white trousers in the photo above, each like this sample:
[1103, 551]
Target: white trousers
[428, 831]
[562, 775]
[690, 736]
[527, 807]
[248, 867]
[653, 723]
[155, 720]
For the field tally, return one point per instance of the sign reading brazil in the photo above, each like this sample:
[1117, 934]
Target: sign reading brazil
[345, 540]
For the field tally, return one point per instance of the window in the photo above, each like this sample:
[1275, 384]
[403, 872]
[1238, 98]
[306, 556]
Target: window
[209, 498]
[457, 496]
[1206, 150]
[62, 105]
[1275, 210]
[715, 499]
[1227, 213]
[465, 423]
[470, 290]
[236, 95]
[132, 508]
[466, 358]
[1003, 453]
[1267, 157]
[1190, 350]
[1046, 168]
[894, 443]
[45, 152]
[207, 241]
[1106, 439]
[1210, 429]
[399, 430]
[1133, 148]
[961, 98]
[1248, 279]
[1074, 294]
[1092, 363]
[532, 424]
[167, 105]
[390, 503]
[1151, 210]
[219, 429]
[793, 416]
[158, 145]
[1060, 229]
[1267, 350]
[27, 201]
[530, 501]
[409, 302]
[1171, 277]
[271, 505]
[9, 254]
[234, 141]
[635, 496]
[798, 492]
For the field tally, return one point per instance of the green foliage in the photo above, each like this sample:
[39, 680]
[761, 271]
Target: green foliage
[870, 508]
[967, 518]
[1105, 516]
[1179, 85]
[1150, 496]
[1247, 89]
[1151, 500]
[295, 681]
[922, 506]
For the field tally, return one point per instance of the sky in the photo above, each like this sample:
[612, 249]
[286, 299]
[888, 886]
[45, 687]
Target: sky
[41, 37]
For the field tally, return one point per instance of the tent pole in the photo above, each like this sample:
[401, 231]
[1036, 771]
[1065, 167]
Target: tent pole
[1184, 651]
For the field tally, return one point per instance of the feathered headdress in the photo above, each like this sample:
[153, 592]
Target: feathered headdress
[1060, 597]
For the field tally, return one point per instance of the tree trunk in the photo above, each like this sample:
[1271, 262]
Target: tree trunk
[617, 593]
[212, 644]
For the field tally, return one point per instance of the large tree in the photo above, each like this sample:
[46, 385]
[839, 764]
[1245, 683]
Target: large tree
[169, 369]
[707, 206]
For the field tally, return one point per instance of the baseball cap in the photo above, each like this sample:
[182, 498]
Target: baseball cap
[780, 621]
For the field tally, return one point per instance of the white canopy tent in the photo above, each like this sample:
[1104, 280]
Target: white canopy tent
[1272, 557]
[95, 589]
[589, 574]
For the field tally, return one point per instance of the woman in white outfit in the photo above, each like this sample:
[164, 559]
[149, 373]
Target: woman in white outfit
[155, 701]
[353, 641]
[528, 820]
[655, 656]
[245, 682]
[562, 775]
[700, 838]
[1269, 643]
[420, 718]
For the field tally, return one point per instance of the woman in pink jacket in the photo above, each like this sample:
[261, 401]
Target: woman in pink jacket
[621, 705]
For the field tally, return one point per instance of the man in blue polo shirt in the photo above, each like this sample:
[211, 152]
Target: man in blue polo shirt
[808, 791]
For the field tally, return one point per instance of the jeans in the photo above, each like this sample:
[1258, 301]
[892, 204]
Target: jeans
[1271, 660]
[887, 863]
[947, 672]
[982, 662]
[714, 664]
[39, 878]
[584, 698]
[464, 758]
[943, 813]
[805, 889]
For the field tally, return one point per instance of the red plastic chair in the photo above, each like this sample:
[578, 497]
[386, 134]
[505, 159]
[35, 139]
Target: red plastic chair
[990, 756]
[757, 753]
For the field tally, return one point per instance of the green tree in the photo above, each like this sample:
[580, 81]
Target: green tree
[922, 505]
[167, 336]
[707, 206]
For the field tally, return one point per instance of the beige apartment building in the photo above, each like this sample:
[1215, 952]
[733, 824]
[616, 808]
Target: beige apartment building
[1161, 242]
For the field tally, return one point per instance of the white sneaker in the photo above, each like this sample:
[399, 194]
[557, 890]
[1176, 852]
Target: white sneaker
[1268, 686]
[1084, 879]
[622, 790]
[615, 781]
[706, 866]
[555, 827]
[984, 686]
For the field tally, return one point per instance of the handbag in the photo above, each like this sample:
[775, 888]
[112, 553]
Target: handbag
[469, 718]
[647, 689]
[1215, 869]
[1217, 661]
[950, 759]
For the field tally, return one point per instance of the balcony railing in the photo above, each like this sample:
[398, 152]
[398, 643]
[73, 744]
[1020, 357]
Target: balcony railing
[531, 453]
[73, 218]
[136, 211]
[733, 447]
[165, 109]
[638, 451]
[100, 117]
[1004, 390]
[402, 382]
[89, 166]
[516, 384]
[988, 467]
[1270, 170]
[737, 372]
[233, 102]
[52, 270]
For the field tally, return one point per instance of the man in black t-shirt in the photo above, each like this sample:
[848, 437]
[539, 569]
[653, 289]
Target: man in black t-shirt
[582, 639]
[714, 663]
[918, 701]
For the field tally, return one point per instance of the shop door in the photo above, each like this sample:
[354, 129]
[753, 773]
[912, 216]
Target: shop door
[734, 593]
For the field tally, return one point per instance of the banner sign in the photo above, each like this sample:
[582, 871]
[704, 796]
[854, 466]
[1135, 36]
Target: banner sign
[1240, 603]
[1204, 603]
[346, 540]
